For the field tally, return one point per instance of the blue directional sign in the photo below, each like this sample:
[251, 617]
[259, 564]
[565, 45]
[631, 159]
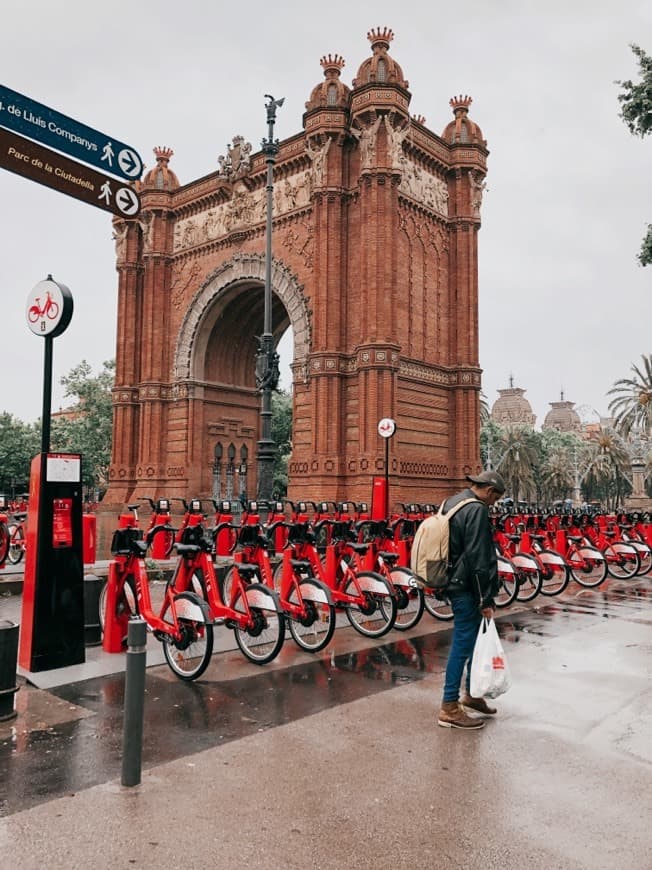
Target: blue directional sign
[37, 122]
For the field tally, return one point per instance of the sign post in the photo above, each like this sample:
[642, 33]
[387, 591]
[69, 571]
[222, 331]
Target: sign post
[386, 429]
[36, 121]
[52, 623]
[39, 164]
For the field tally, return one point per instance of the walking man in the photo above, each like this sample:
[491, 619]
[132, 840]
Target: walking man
[472, 584]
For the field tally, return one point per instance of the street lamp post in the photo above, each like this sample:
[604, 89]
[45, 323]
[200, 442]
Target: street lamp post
[267, 360]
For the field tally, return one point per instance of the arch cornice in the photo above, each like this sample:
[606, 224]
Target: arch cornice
[244, 267]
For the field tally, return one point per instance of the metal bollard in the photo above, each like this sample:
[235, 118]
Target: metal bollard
[134, 704]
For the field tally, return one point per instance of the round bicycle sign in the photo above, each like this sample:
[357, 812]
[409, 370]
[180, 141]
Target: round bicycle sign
[49, 308]
[386, 427]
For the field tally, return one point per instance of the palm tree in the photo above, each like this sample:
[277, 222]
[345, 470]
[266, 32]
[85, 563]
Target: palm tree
[517, 461]
[609, 461]
[632, 402]
[558, 475]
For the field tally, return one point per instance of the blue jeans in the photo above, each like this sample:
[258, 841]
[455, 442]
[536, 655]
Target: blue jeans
[467, 619]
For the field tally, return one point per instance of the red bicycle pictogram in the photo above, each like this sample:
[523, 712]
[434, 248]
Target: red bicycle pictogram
[50, 309]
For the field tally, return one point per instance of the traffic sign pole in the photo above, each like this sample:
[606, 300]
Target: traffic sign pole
[39, 164]
[386, 429]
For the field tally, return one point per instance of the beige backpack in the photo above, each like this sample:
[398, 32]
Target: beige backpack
[430, 559]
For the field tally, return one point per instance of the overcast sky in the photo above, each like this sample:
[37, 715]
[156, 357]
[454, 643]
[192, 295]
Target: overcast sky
[563, 301]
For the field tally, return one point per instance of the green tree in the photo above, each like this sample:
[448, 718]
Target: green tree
[282, 435]
[88, 427]
[632, 403]
[19, 443]
[636, 111]
[607, 466]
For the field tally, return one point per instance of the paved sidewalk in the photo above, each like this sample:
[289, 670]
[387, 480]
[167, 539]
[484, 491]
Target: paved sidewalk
[561, 779]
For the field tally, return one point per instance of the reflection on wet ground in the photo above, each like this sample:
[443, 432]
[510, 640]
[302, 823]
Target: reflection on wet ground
[70, 738]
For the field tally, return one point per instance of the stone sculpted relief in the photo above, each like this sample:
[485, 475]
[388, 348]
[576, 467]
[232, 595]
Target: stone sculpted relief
[425, 188]
[395, 137]
[478, 186]
[244, 209]
[366, 137]
[318, 158]
[237, 160]
[120, 238]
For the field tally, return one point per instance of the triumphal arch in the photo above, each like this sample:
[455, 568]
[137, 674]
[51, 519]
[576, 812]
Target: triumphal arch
[374, 269]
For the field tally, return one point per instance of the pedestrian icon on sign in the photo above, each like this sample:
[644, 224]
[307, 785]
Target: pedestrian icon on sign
[105, 192]
[107, 154]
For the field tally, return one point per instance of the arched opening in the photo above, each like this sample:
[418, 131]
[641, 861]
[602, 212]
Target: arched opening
[216, 358]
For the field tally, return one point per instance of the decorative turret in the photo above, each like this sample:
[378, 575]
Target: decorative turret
[380, 68]
[161, 176]
[562, 417]
[332, 92]
[462, 130]
[512, 408]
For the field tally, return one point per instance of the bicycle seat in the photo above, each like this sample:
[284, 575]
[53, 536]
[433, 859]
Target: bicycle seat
[575, 538]
[246, 570]
[610, 534]
[389, 556]
[538, 537]
[359, 548]
[515, 538]
[139, 548]
[20, 517]
[133, 507]
[187, 549]
[300, 564]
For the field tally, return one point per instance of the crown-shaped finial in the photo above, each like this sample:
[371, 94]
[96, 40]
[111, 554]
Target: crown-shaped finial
[163, 154]
[332, 63]
[378, 37]
[460, 102]
[420, 119]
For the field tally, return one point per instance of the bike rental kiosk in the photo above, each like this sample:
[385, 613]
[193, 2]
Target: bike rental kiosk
[52, 623]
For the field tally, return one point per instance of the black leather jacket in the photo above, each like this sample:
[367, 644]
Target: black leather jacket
[472, 550]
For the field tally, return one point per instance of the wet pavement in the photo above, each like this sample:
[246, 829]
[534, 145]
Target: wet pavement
[336, 760]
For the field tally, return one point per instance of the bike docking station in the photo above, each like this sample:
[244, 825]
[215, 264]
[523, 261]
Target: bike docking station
[52, 620]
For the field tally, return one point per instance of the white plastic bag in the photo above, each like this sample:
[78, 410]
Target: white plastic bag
[490, 675]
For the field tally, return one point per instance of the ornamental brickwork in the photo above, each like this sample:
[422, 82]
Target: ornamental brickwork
[374, 270]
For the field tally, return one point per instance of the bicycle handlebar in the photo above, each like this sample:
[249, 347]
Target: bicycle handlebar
[163, 527]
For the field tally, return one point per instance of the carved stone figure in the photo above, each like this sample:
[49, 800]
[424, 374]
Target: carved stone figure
[395, 137]
[237, 160]
[477, 189]
[366, 137]
[146, 223]
[318, 159]
[120, 238]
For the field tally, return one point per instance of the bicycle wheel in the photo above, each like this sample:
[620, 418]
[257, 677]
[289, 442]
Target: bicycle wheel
[409, 598]
[189, 656]
[4, 542]
[313, 631]
[528, 577]
[645, 557]
[622, 560]
[16, 549]
[588, 566]
[508, 587]
[261, 641]
[53, 310]
[376, 616]
[125, 606]
[440, 609]
[555, 574]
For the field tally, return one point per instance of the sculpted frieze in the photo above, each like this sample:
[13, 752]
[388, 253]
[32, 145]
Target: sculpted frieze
[245, 209]
[422, 186]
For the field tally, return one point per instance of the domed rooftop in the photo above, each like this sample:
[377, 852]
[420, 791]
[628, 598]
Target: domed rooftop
[161, 176]
[512, 408]
[562, 417]
[380, 68]
[462, 130]
[332, 91]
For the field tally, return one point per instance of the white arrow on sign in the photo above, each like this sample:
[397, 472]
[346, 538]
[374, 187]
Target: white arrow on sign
[130, 163]
[127, 201]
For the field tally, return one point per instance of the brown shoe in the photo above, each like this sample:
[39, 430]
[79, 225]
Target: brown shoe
[452, 715]
[478, 704]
